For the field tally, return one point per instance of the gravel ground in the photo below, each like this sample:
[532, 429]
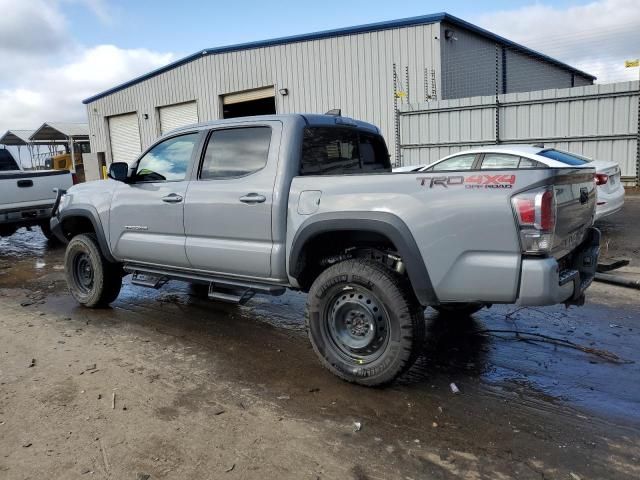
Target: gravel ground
[164, 385]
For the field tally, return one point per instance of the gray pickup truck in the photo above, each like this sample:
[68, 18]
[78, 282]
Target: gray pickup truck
[308, 202]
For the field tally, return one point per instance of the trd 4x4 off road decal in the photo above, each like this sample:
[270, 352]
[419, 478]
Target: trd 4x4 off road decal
[469, 181]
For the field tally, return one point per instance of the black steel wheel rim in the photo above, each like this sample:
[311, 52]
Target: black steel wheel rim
[83, 273]
[357, 324]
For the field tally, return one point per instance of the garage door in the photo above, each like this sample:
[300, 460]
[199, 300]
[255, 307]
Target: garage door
[248, 95]
[125, 137]
[176, 116]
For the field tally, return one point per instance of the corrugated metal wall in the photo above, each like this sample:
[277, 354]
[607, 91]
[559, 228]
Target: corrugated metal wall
[473, 65]
[599, 121]
[354, 73]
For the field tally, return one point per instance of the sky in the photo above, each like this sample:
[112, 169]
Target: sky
[55, 53]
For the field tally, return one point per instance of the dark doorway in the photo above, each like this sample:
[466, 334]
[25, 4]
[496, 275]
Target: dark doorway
[262, 106]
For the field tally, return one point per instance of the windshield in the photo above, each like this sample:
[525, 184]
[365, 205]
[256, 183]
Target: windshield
[564, 157]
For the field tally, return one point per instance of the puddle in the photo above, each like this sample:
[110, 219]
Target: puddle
[467, 351]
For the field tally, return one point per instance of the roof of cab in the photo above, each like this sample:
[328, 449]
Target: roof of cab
[310, 119]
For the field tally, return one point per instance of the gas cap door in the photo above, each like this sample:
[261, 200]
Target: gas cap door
[309, 201]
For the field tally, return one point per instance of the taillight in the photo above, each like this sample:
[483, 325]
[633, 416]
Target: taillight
[526, 210]
[547, 211]
[535, 211]
[74, 178]
[601, 178]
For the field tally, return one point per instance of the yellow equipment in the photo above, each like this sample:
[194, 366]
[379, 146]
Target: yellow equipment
[63, 161]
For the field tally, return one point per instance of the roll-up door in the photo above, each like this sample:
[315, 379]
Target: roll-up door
[176, 116]
[248, 95]
[125, 137]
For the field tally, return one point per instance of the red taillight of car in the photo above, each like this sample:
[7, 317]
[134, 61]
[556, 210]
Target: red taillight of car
[536, 214]
[601, 178]
[74, 178]
[526, 210]
[547, 211]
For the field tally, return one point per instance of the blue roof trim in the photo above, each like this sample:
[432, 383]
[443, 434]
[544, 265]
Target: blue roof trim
[370, 27]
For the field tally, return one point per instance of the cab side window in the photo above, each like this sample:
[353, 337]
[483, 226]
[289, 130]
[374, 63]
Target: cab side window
[503, 161]
[236, 152]
[499, 161]
[460, 162]
[167, 161]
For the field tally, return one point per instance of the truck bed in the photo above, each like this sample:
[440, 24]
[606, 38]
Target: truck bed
[462, 222]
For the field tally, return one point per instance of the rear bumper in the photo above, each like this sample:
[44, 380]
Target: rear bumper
[24, 216]
[609, 203]
[544, 281]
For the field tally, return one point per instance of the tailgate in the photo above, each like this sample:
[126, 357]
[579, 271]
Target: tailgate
[32, 187]
[575, 193]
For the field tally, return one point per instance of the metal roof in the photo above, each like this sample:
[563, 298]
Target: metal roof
[16, 137]
[59, 132]
[370, 27]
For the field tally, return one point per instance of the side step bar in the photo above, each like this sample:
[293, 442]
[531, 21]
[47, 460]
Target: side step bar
[220, 288]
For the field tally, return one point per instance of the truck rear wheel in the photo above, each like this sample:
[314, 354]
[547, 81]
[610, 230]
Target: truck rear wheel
[364, 322]
[93, 281]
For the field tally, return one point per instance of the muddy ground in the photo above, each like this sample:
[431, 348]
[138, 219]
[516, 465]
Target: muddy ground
[165, 385]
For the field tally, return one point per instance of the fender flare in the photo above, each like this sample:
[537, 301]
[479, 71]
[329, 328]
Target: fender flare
[383, 223]
[90, 214]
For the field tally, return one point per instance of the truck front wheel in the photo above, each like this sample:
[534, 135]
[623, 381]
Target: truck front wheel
[93, 281]
[364, 322]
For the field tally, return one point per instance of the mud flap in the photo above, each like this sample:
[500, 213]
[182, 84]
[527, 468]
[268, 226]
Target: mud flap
[585, 262]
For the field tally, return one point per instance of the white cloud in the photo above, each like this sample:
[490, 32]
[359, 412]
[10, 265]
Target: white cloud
[33, 27]
[56, 93]
[596, 37]
[46, 73]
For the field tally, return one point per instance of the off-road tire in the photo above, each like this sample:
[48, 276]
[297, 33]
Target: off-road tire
[46, 231]
[458, 309]
[83, 259]
[376, 284]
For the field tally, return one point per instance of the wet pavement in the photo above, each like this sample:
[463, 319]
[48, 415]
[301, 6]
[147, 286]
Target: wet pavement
[530, 404]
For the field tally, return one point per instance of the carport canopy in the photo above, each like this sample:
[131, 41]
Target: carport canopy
[16, 138]
[54, 133]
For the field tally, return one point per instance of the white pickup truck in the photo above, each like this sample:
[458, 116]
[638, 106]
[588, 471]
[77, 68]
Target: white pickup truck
[26, 198]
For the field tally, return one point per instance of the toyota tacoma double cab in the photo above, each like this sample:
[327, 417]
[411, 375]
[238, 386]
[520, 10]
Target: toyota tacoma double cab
[309, 202]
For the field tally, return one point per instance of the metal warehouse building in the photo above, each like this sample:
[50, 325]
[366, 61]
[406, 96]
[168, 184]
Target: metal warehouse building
[364, 70]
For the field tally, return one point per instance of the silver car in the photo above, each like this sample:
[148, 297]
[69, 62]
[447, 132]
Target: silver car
[610, 190]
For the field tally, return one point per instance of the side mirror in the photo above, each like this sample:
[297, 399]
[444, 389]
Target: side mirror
[119, 171]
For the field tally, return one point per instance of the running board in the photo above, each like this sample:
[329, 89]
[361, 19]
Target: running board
[220, 288]
[230, 296]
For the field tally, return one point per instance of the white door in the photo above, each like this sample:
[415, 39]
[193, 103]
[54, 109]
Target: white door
[176, 116]
[125, 137]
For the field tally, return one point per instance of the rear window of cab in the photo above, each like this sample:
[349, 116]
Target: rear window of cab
[342, 150]
[563, 157]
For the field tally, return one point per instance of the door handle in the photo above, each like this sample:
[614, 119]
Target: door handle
[172, 198]
[252, 198]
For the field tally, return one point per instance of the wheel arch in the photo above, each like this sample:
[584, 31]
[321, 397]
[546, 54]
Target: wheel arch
[74, 221]
[376, 225]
